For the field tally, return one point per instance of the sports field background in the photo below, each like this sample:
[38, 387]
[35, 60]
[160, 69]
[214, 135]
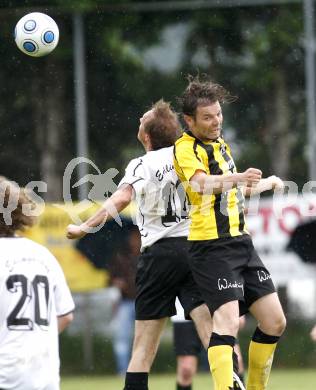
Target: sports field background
[280, 380]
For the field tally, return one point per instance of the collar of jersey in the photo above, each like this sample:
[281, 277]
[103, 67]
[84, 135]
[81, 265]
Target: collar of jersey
[219, 140]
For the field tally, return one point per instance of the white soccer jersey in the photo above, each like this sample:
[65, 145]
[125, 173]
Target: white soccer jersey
[160, 197]
[33, 292]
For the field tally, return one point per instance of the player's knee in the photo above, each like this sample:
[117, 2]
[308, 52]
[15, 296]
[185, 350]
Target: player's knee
[186, 372]
[232, 326]
[275, 326]
[226, 319]
[280, 324]
[143, 357]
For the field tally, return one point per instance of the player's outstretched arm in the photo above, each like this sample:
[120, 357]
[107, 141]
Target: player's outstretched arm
[121, 198]
[64, 321]
[270, 183]
[216, 184]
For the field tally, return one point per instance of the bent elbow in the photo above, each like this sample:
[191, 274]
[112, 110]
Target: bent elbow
[126, 194]
[70, 318]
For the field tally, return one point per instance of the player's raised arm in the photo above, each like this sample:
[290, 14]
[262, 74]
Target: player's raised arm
[116, 203]
[270, 183]
[216, 184]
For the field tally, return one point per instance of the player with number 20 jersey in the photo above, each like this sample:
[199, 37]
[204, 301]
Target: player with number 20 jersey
[35, 303]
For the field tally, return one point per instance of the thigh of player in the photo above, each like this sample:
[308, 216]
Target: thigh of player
[217, 269]
[161, 272]
[258, 281]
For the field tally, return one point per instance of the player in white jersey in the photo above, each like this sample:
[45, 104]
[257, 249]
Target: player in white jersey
[163, 272]
[35, 303]
[162, 208]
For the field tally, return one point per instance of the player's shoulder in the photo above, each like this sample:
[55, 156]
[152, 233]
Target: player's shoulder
[36, 248]
[185, 140]
[135, 164]
[136, 161]
[184, 143]
[159, 153]
[221, 140]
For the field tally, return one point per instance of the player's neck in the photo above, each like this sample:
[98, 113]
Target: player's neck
[148, 147]
[203, 139]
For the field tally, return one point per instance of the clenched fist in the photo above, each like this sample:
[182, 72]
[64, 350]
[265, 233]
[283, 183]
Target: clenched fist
[277, 183]
[251, 176]
[75, 231]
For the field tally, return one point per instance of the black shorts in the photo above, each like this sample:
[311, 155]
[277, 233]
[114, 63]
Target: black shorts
[228, 269]
[186, 340]
[163, 273]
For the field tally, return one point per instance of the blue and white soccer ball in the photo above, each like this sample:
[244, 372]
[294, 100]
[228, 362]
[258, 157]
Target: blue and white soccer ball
[36, 34]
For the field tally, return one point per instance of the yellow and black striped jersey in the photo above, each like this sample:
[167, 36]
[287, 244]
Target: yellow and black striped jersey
[212, 216]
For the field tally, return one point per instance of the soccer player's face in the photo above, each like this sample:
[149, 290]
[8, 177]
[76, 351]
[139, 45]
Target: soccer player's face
[207, 124]
[142, 136]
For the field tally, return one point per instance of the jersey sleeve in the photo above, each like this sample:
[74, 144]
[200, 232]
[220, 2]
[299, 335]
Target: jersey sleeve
[134, 175]
[189, 160]
[63, 298]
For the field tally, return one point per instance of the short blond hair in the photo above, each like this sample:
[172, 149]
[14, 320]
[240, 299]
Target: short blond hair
[163, 127]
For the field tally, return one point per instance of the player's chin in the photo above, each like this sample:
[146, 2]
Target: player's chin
[214, 134]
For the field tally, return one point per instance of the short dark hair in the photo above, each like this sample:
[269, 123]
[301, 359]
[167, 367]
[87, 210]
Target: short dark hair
[201, 93]
[163, 127]
[9, 191]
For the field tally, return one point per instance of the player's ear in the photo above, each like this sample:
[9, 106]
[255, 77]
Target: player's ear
[188, 120]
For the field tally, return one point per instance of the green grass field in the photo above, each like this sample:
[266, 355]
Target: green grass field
[280, 380]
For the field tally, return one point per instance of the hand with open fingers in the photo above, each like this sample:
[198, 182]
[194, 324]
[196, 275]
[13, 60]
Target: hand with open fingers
[75, 231]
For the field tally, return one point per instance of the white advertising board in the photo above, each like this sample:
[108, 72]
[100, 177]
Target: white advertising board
[271, 222]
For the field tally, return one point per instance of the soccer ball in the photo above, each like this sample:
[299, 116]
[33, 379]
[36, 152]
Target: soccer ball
[36, 34]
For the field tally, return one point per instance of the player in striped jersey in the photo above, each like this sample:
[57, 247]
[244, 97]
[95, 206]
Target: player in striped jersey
[163, 271]
[225, 265]
[35, 301]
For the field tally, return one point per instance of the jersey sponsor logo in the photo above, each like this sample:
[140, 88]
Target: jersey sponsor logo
[224, 284]
[263, 276]
[231, 164]
[222, 149]
[227, 158]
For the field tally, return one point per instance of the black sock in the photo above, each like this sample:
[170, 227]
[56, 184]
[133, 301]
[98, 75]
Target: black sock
[179, 387]
[263, 338]
[136, 381]
[221, 339]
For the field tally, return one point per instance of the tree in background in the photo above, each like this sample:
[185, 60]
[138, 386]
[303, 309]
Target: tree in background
[256, 52]
[253, 51]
